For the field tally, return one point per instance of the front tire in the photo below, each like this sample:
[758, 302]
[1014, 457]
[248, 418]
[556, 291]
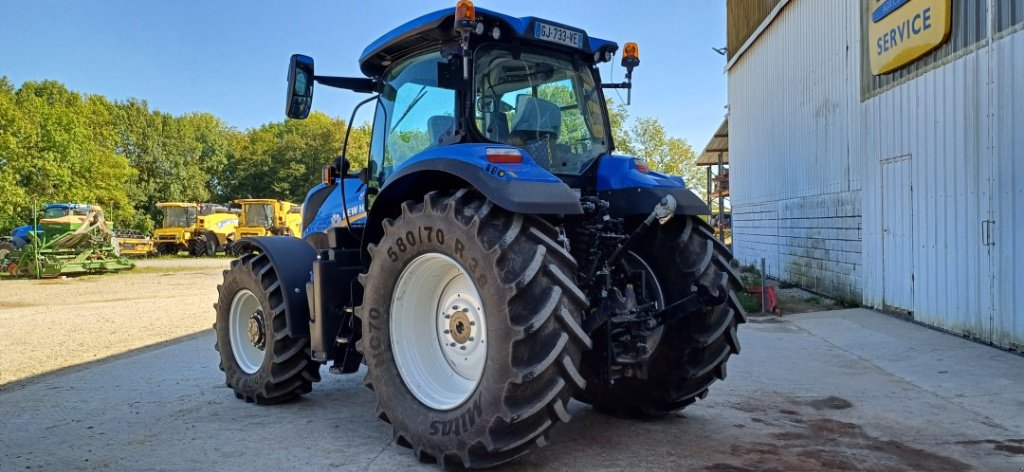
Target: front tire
[522, 339]
[201, 245]
[167, 249]
[261, 363]
[693, 350]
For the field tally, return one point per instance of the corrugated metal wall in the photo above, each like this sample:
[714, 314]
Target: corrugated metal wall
[800, 135]
[1007, 57]
[795, 186]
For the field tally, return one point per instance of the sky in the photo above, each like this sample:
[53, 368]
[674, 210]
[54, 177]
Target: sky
[230, 58]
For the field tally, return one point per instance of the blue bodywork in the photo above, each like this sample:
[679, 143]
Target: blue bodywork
[330, 214]
[616, 172]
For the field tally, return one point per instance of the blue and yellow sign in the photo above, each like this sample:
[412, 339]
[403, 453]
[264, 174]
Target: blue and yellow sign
[901, 31]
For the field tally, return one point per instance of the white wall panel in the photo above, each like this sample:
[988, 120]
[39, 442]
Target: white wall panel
[1008, 194]
[794, 183]
[807, 159]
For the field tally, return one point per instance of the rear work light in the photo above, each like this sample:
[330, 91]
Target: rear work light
[504, 156]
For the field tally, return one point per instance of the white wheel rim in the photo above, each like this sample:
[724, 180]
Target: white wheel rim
[438, 331]
[247, 329]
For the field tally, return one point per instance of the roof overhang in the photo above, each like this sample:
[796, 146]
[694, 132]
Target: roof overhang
[757, 33]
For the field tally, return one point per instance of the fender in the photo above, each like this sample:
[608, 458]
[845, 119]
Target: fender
[520, 188]
[503, 188]
[639, 201]
[292, 258]
[631, 191]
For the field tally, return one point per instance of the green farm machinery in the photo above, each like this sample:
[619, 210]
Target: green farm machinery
[68, 239]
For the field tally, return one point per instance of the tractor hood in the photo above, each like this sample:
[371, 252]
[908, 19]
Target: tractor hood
[437, 27]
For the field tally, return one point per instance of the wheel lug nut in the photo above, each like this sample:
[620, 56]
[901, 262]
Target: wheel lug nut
[472, 323]
[471, 338]
[447, 331]
[452, 344]
[446, 315]
[463, 348]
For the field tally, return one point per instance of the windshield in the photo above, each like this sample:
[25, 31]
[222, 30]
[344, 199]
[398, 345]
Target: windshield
[543, 103]
[260, 215]
[179, 217]
[415, 113]
[55, 212]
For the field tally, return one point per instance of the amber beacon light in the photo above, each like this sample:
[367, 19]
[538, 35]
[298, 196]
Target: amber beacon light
[630, 55]
[465, 13]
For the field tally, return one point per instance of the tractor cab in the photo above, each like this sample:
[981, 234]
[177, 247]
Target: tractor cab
[262, 217]
[178, 215]
[56, 219]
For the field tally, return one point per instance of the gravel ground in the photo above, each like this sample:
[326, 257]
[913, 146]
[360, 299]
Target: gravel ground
[54, 324]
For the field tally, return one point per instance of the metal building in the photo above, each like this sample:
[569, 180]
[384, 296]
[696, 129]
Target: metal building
[877, 154]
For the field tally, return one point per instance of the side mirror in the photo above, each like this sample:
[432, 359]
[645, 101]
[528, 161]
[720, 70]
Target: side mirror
[300, 87]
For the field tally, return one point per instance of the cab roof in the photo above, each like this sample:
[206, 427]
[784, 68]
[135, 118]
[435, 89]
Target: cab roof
[434, 28]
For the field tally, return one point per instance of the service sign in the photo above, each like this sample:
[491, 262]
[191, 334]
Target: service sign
[900, 31]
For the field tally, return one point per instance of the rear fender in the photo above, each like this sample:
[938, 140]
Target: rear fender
[520, 188]
[292, 259]
[633, 192]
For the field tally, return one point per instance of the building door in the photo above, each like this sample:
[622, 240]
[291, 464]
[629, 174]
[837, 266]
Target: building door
[897, 235]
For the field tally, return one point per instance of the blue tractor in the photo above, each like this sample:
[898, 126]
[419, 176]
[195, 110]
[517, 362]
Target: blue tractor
[500, 258]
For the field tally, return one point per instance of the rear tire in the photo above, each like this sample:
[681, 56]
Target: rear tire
[693, 350]
[529, 316]
[261, 363]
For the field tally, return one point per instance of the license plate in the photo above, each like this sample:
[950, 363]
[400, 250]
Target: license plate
[557, 34]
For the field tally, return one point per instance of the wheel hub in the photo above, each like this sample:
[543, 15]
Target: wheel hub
[257, 333]
[459, 327]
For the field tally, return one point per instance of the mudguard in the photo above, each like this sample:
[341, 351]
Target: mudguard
[631, 191]
[292, 259]
[520, 188]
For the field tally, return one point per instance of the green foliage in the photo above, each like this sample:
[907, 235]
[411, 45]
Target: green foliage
[57, 145]
[647, 139]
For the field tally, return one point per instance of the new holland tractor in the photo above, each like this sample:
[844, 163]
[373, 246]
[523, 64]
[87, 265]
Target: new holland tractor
[69, 238]
[508, 260]
[202, 229]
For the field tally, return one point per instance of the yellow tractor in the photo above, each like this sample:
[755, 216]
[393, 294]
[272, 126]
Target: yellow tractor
[200, 228]
[267, 217]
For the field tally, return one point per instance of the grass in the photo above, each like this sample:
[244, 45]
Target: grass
[749, 302]
[814, 300]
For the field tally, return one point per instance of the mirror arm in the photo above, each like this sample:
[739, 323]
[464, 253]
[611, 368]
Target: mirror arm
[354, 84]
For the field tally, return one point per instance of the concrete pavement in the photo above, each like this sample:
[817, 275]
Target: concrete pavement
[849, 389]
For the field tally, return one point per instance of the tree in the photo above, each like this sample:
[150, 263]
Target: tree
[646, 138]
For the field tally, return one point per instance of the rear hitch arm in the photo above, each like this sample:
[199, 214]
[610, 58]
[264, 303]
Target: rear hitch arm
[662, 212]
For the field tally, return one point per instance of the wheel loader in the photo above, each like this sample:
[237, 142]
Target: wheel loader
[502, 258]
[202, 229]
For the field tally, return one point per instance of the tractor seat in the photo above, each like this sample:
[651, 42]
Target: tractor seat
[438, 126]
[536, 119]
